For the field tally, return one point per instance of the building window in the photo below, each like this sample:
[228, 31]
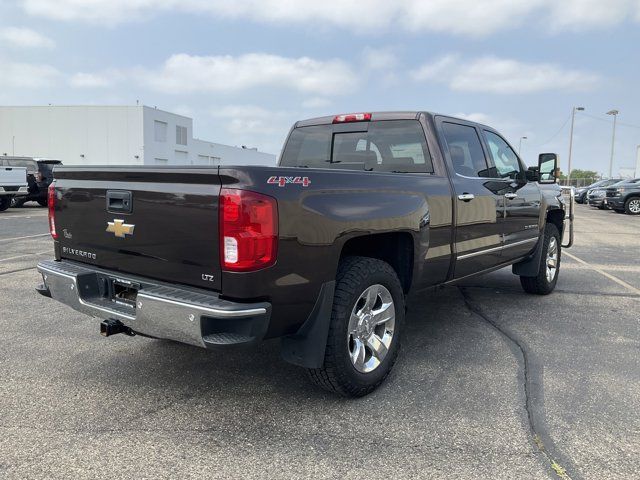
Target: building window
[181, 157]
[161, 161]
[181, 135]
[159, 131]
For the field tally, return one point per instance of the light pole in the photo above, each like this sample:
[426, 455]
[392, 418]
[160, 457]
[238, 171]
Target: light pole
[520, 144]
[573, 119]
[613, 139]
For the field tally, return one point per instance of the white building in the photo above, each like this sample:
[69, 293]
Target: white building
[114, 135]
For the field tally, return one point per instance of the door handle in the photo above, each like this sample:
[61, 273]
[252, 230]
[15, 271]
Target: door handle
[510, 196]
[466, 197]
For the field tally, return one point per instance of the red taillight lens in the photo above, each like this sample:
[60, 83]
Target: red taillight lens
[248, 230]
[352, 117]
[51, 203]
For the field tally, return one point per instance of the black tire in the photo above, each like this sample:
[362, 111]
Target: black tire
[338, 374]
[540, 284]
[629, 206]
[5, 202]
[43, 202]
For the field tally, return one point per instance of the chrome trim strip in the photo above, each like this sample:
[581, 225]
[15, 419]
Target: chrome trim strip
[215, 311]
[496, 249]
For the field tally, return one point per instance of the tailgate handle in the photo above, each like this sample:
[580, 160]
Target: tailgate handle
[119, 201]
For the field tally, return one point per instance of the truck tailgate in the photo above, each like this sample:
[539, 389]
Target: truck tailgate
[160, 223]
[13, 176]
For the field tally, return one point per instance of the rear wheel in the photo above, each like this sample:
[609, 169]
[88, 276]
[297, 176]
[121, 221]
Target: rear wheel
[632, 206]
[545, 281]
[5, 202]
[42, 202]
[366, 319]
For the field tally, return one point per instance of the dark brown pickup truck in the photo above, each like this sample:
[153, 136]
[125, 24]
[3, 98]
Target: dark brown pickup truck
[319, 251]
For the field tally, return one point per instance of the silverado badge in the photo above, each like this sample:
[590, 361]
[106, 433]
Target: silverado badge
[119, 228]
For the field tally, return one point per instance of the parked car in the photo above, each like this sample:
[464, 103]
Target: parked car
[39, 177]
[13, 184]
[595, 197]
[319, 251]
[624, 197]
[581, 193]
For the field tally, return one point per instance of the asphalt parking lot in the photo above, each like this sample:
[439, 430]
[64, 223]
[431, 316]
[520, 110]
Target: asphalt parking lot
[491, 383]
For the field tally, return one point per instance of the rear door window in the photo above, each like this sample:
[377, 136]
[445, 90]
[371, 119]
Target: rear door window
[465, 150]
[389, 146]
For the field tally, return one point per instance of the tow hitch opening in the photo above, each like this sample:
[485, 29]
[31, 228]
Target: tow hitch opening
[112, 327]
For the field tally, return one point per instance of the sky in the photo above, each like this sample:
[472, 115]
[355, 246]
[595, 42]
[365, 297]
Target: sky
[245, 70]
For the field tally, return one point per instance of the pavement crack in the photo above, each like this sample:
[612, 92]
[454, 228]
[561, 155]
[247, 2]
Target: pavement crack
[533, 394]
[16, 271]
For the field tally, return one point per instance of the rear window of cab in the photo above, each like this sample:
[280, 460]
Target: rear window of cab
[397, 146]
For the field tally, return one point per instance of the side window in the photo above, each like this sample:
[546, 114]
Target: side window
[504, 158]
[465, 149]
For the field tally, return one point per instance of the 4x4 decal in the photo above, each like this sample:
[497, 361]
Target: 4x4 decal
[282, 181]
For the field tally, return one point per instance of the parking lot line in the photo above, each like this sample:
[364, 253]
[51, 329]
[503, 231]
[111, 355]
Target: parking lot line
[22, 238]
[7, 217]
[22, 256]
[602, 272]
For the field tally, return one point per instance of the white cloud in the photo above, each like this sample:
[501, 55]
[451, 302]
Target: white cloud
[183, 73]
[25, 37]
[504, 76]
[478, 117]
[251, 119]
[89, 80]
[253, 125]
[379, 58]
[316, 102]
[467, 17]
[27, 75]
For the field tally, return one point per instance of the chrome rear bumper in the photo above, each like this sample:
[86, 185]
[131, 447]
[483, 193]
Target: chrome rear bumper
[187, 315]
[21, 191]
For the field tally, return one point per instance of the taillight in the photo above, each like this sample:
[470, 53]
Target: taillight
[51, 203]
[352, 117]
[248, 230]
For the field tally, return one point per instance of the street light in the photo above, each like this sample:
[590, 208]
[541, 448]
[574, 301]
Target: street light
[520, 144]
[573, 118]
[613, 139]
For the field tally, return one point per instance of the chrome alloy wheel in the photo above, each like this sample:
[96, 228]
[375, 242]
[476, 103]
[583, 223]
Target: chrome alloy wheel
[634, 206]
[552, 259]
[371, 327]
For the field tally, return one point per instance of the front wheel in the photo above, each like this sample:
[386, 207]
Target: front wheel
[545, 281]
[366, 320]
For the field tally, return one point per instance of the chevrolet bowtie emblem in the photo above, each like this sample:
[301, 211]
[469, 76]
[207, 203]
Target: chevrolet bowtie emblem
[119, 228]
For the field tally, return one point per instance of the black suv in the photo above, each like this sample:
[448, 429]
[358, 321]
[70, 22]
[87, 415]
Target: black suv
[624, 197]
[39, 177]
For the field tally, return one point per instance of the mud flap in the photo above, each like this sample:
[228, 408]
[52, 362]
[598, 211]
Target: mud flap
[306, 347]
[531, 266]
